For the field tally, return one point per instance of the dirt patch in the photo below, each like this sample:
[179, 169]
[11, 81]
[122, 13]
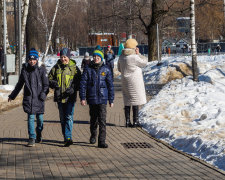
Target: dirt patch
[177, 71]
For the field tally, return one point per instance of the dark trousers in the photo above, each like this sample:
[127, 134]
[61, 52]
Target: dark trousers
[98, 117]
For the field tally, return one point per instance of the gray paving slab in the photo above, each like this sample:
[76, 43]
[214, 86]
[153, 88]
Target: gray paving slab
[82, 160]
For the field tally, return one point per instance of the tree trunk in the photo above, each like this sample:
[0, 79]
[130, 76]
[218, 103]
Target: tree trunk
[152, 50]
[24, 19]
[152, 29]
[32, 27]
[23, 27]
[50, 34]
[193, 45]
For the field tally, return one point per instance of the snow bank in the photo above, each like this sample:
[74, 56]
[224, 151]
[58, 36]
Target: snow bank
[189, 115]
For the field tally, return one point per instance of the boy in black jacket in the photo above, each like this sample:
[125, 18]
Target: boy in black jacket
[36, 85]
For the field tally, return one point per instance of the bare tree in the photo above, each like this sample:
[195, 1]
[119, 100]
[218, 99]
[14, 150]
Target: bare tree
[24, 19]
[31, 27]
[51, 30]
[193, 45]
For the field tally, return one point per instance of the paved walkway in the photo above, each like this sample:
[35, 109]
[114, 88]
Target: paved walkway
[85, 161]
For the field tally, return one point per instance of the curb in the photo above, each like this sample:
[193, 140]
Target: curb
[181, 152]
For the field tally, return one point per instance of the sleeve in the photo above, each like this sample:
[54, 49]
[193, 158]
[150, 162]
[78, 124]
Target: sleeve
[110, 86]
[141, 61]
[18, 87]
[77, 79]
[45, 85]
[52, 80]
[83, 84]
[118, 65]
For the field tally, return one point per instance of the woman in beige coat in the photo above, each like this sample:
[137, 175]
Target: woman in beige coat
[133, 88]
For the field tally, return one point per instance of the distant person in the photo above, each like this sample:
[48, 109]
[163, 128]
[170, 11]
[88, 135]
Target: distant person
[166, 50]
[97, 88]
[169, 50]
[133, 88]
[64, 78]
[209, 51]
[121, 47]
[218, 48]
[109, 58]
[86, 61]
[1, 56]
[34, 78]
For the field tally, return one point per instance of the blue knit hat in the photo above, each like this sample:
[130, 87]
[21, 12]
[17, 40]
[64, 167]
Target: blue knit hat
[65, 52]
[98, 53]
[33, 54]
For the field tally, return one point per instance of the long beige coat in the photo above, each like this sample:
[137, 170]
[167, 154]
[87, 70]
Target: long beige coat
[133, 88]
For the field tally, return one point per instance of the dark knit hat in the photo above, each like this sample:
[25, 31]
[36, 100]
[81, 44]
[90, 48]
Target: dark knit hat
[33, 54]
[65, 52]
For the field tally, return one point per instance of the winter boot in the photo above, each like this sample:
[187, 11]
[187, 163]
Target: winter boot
[39, 137]
[31, 142]
[102, 145]
[68, 142]
[92, 140]
[135, 116]
[127, 116]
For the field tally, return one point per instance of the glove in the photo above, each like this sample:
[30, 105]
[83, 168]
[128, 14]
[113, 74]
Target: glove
[53, 84]
[42, 96]
[68, 92]
[57, 94]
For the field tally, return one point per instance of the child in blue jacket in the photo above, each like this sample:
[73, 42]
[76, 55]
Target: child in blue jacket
[97, 88]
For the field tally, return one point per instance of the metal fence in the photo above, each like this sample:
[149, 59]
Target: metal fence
[201, 48]
[143, 50]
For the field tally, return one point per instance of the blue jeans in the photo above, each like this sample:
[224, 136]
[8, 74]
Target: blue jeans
[39, 128]
[66, 111]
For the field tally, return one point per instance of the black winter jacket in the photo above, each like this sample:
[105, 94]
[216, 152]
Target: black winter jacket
[97, 85]
[36, 88]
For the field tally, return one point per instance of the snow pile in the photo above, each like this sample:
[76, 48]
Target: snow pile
[189, 115]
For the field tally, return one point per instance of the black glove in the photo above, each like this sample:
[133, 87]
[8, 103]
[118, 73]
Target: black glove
[53, 84]
[57, 94]
[68, 92]
[42, 96]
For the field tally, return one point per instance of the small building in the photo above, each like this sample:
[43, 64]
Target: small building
[102, 39]
[183, 46]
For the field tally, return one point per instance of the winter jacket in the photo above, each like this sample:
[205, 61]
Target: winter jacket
[97, 85]
[109, 58]
[65, 79]
[85, 62]
[133, 88]
[36, 86]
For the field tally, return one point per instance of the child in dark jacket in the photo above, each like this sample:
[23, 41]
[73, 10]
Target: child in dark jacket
[36, 85]
[97, 88]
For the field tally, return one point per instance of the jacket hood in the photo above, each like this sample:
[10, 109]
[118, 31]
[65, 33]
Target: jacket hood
[128, 51]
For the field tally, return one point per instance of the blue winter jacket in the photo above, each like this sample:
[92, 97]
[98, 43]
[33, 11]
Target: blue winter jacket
[36, 87]
[96, 85]
[109, 59]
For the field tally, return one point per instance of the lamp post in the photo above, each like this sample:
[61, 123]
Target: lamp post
[19, 36]
[4, 38]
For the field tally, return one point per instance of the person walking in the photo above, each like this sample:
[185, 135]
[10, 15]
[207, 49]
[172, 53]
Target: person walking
[34, 78]
[109, 58]
[64, 78]
[86, 60]
[133, 89]
[97, 88]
